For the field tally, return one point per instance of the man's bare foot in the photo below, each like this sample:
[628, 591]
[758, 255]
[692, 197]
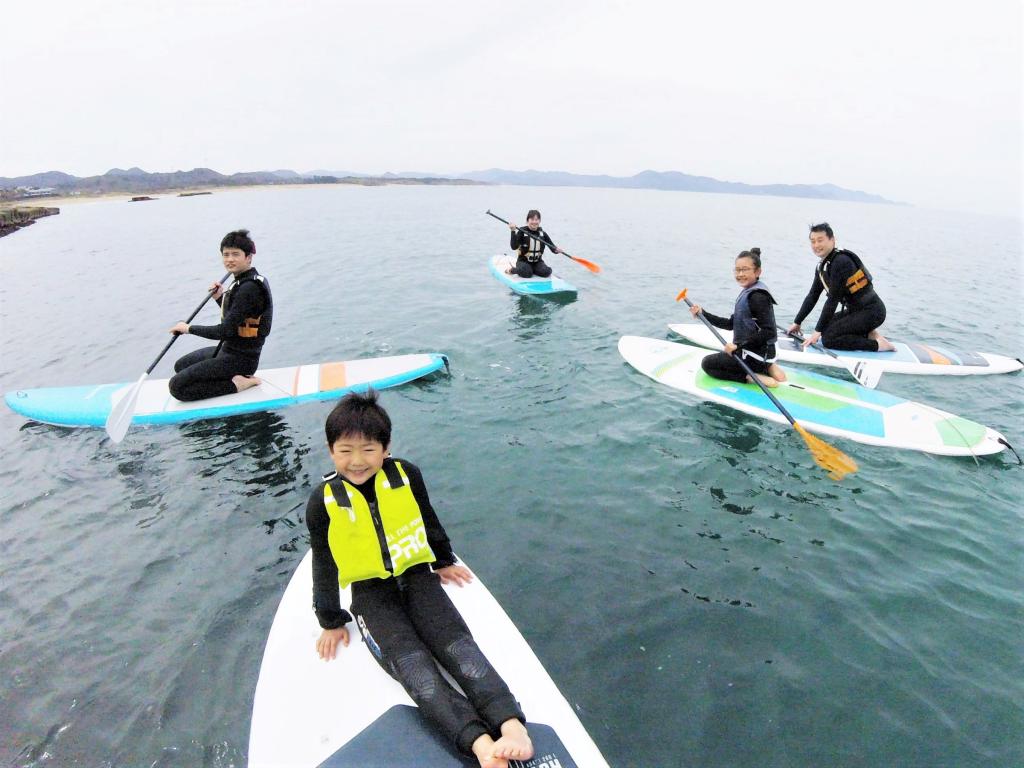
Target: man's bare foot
[243, 383]
[514, 743]
[768, 381]
[776, 372]
[483, 750]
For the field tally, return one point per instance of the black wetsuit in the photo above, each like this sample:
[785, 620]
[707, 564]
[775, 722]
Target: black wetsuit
[861, 313]
[761, 342]
[207, 372]
[408, 621]
[530, 261]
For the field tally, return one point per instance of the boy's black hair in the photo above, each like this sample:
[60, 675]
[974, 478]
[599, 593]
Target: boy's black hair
[531, 213]
[754, 254]
[239, 239]
[823, 227]
[359, 414]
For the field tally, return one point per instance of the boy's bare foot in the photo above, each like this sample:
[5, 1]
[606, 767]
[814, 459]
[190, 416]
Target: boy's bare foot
[243, 383]
[776, 372]
[483, 750]
[514, 743]
[884, 345]
[768, 381]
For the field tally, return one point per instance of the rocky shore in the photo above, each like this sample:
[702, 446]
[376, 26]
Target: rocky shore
[13, 218]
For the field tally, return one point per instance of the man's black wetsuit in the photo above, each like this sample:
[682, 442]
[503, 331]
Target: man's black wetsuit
[408, 621]
[862, 311]
[247, 311]
[530, 260]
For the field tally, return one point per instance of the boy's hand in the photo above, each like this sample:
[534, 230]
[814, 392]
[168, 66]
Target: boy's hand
[455, 574]
[327, 643]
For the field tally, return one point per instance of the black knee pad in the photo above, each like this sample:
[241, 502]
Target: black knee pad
[468, 656]
[417, 673]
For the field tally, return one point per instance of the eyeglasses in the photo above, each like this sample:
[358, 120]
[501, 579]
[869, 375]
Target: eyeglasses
[741, 270]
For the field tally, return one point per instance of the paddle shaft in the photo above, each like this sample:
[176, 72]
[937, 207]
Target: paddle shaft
[527, 231]
[817, 345]
[740, 360]
[174, 338]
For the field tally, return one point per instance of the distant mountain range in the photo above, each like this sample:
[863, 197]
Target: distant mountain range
[671, 180]
[138, 180]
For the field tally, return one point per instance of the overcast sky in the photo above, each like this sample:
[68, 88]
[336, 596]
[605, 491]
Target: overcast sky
[918, 102]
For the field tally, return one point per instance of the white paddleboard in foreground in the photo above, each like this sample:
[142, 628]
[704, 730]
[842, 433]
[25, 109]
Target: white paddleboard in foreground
[90, 406]
[349, 713]
[922, 359]
[822, 404]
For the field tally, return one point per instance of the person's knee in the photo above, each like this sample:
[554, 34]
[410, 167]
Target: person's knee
[176, 386]
[523, 269]
[542, 270]
[417, 673]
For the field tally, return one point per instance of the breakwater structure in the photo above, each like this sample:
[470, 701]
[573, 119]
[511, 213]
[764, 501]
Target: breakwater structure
[13, 218]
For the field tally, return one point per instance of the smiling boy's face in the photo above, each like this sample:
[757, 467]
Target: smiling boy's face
[358, 458]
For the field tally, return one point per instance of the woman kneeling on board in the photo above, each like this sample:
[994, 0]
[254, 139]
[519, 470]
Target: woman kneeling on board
[406, 619]
[845, 280]
[753, 328]
[530, 250]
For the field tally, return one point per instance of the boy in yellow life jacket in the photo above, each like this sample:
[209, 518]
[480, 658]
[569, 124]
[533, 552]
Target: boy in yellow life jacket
[371, 525]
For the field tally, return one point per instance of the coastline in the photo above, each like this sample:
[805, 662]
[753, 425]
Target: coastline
[156, 194]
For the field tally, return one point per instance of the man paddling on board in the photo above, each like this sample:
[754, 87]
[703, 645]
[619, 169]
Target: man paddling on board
[247, 311]
[753, 328]
[371, 525]
[530, 250]
[845, 280]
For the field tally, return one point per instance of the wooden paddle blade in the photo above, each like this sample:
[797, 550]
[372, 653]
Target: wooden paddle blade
[588, 264]
[121, 413]
[828, 457]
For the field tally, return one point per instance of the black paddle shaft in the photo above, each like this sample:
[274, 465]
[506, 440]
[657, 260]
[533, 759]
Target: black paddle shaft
[817, 345]
[174, 338]
[523, 229]
[742, 362]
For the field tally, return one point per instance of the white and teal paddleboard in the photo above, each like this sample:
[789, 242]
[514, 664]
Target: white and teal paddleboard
[90, 406]
[349, 713]
[822, 404]
[908, 357]
[529, 286]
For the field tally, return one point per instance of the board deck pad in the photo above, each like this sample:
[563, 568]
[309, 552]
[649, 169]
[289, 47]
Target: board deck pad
[349, 713]
[822, 404]
[400, 738]
[90, 406]
[529, 286]
[908, 357]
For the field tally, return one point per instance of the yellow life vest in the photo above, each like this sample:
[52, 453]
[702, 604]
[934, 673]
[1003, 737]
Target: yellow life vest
[367, 548]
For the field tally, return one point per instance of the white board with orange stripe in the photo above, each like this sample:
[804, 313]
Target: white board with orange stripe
[89, 406]
[908, 357]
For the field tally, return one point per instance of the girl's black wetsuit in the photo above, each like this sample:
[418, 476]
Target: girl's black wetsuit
[755, 344]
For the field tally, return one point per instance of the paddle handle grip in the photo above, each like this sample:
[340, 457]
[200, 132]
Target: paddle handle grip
[743, 363]
[191, 317]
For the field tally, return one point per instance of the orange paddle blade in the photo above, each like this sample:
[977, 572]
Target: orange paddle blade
[682, 295]
[588, 264]
[828, 457]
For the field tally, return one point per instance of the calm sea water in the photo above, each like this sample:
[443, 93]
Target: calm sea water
[698, 589]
